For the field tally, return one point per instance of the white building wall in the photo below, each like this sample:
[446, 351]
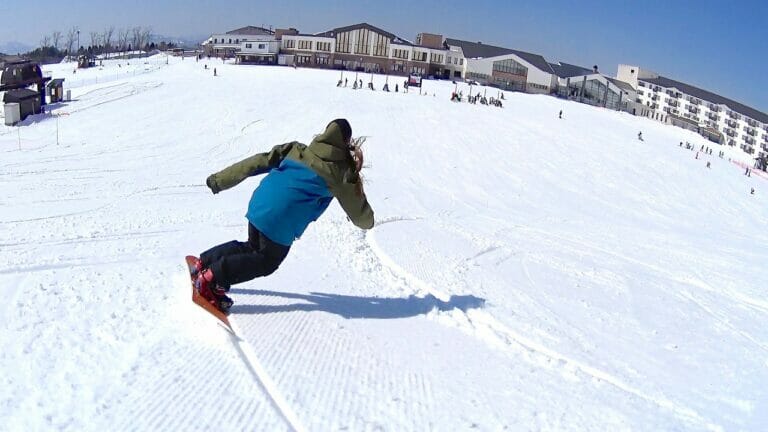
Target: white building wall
[260, 47]
[735, 130]
[535, 75]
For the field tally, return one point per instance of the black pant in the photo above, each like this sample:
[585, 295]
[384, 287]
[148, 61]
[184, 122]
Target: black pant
[235, 262]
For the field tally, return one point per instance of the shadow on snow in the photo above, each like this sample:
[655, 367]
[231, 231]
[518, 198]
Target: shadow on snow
[358, 307]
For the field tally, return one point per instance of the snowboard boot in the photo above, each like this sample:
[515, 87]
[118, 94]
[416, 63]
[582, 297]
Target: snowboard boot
[213, 292]
[196, 268]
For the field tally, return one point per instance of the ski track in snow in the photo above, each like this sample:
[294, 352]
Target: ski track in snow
[481, 324]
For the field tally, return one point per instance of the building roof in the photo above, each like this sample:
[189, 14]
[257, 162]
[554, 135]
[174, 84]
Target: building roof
[56, 82]
[19, 95]
[627, 87]
[709, 97]
[481, 50]
[252, 30]
[565, 70]
[392, 37]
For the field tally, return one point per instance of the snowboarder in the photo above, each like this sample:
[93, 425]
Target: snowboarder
[561, 114]
[214, 71]
[753, 191]
[681, 143]
[345, 82]
[397, 89]
[301, 182]
[708, 164]
[746, 172]
[640, 136]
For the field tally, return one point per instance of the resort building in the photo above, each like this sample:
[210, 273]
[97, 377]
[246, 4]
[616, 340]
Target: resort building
[591, 87]
[363, 47]
[229, 43]
[720, 119]
[505, 68]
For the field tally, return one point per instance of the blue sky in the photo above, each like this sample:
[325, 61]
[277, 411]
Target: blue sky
[717, 45]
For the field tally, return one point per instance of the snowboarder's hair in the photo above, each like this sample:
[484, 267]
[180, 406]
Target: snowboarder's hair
[346, 129]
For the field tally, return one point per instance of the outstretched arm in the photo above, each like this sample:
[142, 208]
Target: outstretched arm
[354, 202]
[254, 165]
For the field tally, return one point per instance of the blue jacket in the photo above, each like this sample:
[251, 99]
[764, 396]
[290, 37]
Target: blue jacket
[301, 181]
[289, 198]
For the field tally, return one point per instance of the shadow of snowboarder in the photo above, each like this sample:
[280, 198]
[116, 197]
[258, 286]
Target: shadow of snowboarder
[358, 307]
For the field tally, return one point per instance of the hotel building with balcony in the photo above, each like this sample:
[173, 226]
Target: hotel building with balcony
[720, 119]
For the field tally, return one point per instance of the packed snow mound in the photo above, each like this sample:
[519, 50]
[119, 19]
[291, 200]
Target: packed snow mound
[525, 272]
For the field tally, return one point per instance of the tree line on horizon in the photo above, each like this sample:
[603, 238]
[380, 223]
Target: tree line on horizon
[56, 46]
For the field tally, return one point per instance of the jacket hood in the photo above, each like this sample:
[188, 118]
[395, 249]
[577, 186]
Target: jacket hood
[330, 145]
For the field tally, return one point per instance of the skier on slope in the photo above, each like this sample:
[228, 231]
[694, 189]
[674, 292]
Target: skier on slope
[301, 182]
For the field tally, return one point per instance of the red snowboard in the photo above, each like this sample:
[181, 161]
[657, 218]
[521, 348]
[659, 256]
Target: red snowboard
[201, 301]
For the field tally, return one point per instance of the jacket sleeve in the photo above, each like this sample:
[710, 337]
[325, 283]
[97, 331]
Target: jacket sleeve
[354, 202]
[254, 165]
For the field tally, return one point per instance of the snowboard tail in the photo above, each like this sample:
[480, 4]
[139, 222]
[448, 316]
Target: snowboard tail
[201, 301]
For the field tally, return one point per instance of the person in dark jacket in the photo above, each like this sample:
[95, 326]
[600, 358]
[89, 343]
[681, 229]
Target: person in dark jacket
[301, 182]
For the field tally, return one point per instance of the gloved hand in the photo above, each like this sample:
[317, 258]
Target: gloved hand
[211, 183]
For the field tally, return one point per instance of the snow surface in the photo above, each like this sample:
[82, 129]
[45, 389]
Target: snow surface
[525, 272]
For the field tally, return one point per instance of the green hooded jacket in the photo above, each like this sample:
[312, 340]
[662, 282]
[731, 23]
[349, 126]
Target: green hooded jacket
[328, 156]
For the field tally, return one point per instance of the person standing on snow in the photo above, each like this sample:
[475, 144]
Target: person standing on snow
[301, 182]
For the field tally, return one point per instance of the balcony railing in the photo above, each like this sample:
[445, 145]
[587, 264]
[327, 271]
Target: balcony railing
[752, 123]
[693, 109]
[673, 102]
[713, 117]
[750, 131]
[734, 115]
[655, 97]
[731, 123]
[713, 108]
[765, 137]
[730, 132]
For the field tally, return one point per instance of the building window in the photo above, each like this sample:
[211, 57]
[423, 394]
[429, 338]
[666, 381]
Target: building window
[418, 70]
[419, 56]
[380, 45]
[321, 60]
[363, 42]
[478, 76]
[305, 45]
[435, 58]
[249, 46]
[323, 46]
[262, 46]
[510, 66]
[290, 43]
[303, 59]
[342, 43]
[461, 62]
[400, 53]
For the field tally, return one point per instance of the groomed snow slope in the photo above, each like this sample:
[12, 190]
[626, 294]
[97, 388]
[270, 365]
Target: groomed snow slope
[525, 272]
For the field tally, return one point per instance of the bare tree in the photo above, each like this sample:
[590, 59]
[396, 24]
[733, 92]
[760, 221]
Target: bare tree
[146, 35]
[136, 38]
[56, 39]
[94, 41]
[45, 42]
[71, 39]
[122, 38]
[106, 37]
